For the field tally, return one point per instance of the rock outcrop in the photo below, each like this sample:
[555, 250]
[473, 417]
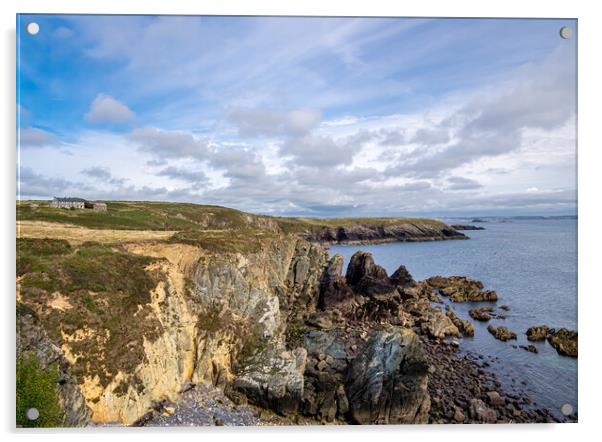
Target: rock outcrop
[501, 333]
[387, 381]
[462, 289]
[480, 314]
[273, 380]
[464, 326]
[538, 333]
[378, 232]
[466, 227]
[564, 341]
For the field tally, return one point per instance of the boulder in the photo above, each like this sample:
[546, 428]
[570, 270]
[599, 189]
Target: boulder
[466, 327]
[387, 381]
[538, 333]
[564, 341]
[481, 412]
[438, 325]
[495, 399]
[501, 333]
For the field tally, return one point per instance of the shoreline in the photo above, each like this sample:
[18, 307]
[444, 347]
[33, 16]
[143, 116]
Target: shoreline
[472, 377]
[326, 244]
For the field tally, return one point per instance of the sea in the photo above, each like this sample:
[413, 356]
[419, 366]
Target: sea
[532, 265]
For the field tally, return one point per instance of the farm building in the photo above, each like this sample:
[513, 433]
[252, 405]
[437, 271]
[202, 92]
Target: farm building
[68, 203]
[99, 206]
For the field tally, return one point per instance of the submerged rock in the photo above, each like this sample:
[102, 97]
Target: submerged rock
[501, 333]
[387, 381]
[564, 341]
[480, 314]
[530, 348]
[537, 333]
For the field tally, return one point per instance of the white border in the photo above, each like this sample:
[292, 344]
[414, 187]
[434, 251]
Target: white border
[590, 187]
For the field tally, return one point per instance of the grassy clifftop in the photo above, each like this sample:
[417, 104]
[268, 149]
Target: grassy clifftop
[193, 223]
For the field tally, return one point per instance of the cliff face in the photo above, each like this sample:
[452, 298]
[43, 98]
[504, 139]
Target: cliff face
[210, 314]
[277, 326]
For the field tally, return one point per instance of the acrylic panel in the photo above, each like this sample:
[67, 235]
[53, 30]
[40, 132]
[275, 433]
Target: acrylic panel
[246, 220]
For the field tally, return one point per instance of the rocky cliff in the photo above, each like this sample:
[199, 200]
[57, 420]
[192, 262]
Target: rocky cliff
[252, 324]
[380, 232]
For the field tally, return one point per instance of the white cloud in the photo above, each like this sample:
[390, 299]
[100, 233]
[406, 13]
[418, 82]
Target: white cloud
[34, 137]
[106, 109]
[169, 144]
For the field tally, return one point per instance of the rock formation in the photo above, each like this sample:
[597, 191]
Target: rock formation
[461, 289]
[466, 227]
[501, 333]
[537, 333]
[387, 381]
[564, 341]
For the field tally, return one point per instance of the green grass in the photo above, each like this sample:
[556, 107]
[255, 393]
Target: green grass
[187, 217]
[36, 388]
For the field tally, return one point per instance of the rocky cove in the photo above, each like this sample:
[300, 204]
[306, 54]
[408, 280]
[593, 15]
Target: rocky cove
[277, 331]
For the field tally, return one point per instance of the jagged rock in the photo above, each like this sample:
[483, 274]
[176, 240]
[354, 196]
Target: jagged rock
[462, 289]
[402, 278]
[564, 341]
[481, 412]
[367, 278]
[466, 327]
[504, 307]
[537, 333]
[387, 381]
[334, 291]
[274, 380]
[480, 314]
[501, 333]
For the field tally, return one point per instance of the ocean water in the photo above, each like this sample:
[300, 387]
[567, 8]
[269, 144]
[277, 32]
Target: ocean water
[532, 265]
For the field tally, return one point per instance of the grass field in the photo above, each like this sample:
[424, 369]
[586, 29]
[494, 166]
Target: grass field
[185, 217]
[77, 235]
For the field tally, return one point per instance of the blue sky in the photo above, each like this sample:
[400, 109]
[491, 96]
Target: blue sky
[312, 116]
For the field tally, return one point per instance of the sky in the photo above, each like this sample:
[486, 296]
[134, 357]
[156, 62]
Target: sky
[303, 116]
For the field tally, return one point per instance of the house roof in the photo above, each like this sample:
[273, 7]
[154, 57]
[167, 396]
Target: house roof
[70, 200]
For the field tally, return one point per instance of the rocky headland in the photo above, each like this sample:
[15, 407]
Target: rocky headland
[466, 227]
[253, 326]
